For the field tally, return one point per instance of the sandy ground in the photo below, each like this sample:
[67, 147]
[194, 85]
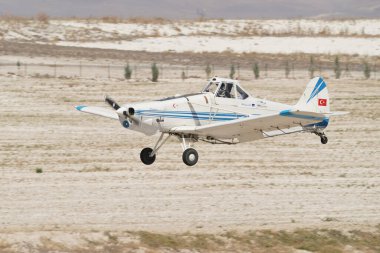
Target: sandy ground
[93, 180]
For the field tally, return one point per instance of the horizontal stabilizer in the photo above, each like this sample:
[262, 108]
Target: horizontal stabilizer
[100, 111]
[340, 113]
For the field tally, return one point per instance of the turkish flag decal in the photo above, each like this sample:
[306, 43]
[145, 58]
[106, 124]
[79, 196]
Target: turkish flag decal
[322, 102]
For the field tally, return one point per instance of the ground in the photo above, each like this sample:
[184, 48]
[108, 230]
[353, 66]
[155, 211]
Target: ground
[93, 187]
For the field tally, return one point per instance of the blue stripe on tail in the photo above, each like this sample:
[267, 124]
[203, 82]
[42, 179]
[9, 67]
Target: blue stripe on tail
[318, 88]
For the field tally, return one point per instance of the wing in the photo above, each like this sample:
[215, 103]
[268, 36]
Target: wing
[254, 128]
[104, 112]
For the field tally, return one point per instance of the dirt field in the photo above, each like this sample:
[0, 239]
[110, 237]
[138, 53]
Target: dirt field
[93, 181]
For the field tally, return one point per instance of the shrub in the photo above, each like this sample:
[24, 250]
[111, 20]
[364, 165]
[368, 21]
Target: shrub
[43, 18]
[287, 69]
[39, 170]
[208, 71]
[155, 72]
[256, 70]
[111, 19]
[337, 69]
[311, 67]
[127, 72]
[367, 70]
[232, 71]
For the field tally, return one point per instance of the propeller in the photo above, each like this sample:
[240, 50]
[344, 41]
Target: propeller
[118, 108]
[112, 103]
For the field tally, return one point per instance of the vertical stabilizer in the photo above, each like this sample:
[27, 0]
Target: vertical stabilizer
[315, 97]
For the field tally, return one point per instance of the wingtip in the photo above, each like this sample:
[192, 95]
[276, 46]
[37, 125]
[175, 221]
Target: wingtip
[80, 107]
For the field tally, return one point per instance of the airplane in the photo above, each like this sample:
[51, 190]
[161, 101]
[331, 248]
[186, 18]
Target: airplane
[222, 113]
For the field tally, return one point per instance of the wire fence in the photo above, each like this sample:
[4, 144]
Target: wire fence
[142, 71]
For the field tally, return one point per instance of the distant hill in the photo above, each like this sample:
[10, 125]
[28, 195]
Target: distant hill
[194, 8]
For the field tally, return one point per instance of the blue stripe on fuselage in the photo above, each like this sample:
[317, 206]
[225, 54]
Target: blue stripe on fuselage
[191, 115]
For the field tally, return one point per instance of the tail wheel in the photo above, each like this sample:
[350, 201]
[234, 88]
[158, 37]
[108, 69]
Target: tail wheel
[324, 139]
[190, 156]
[145, 156]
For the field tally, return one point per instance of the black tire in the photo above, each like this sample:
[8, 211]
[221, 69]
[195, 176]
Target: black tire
[324, 140]
[190, 157]
[145, 158]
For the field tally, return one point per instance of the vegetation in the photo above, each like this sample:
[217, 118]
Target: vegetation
[311, 67]
[155, 72]
[208, 71]
[256, 70]
[42, 18]
[337, 69]
[39, 170]
[127, 72]
[183, 75]
[232, 71]
[287, 69]
[367, 70]
[310, 240]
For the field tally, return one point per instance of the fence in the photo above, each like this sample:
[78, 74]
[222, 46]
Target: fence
[142, 71]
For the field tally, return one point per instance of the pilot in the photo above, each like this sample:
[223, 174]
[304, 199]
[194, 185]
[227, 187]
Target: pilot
[223, 91]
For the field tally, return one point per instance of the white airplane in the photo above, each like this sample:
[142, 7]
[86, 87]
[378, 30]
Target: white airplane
[222, 113]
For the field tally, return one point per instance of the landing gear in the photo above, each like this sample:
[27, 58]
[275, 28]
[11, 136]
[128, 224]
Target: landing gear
[190, 157]
[323, 137]
[146, 157]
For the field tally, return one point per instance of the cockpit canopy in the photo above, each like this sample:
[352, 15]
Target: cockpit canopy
[225, 88]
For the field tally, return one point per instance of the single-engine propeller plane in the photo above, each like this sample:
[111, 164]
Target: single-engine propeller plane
[222, 113]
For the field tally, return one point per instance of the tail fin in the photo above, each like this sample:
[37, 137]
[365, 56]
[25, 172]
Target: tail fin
[315, 97]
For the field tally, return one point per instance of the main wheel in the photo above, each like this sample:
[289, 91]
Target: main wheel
[145, 156]
[324, 139]
[190, 156]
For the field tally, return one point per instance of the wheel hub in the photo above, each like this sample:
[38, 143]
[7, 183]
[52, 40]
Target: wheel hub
[192, 157]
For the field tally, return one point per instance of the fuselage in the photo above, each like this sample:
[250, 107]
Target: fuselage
[196, 110]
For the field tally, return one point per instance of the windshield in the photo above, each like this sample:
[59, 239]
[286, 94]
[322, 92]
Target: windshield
[211, 87]
[241, 93]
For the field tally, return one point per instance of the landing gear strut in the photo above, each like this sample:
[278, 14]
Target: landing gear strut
[148, 155]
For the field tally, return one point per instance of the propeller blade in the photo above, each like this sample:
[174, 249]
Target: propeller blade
[112, 103]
